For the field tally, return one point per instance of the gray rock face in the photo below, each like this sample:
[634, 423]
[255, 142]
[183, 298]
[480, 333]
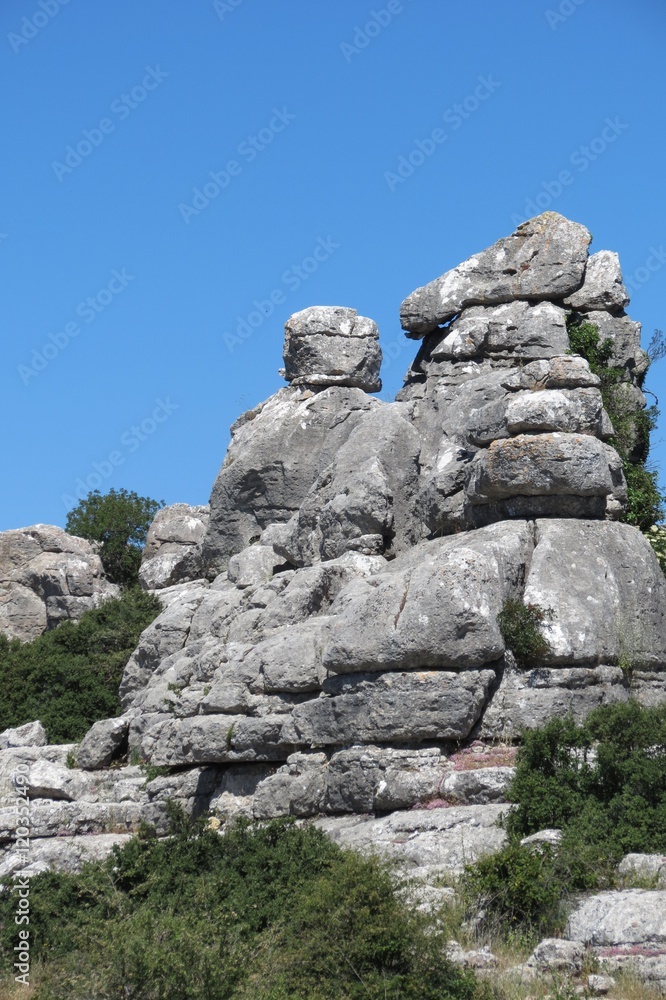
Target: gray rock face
[514, 330]
[32, 734]
[543, 259]
[644, 868]
[626, 337]
[173, 546]
[602, 287]
[331, 345]
[104, 741]
[628, 917]
[556, 955]
[276, 453]
[47, 576]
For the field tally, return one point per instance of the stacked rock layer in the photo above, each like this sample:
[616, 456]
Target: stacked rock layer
[330, 631]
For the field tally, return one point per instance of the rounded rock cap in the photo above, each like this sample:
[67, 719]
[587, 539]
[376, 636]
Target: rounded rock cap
[332, 345]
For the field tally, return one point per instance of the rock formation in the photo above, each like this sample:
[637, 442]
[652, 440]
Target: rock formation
[330, 636]
[47, 576]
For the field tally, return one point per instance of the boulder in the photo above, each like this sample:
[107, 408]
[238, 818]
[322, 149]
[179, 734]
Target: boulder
[556, 955]
[277, 451]
[332, 345]
[102, 743]
[32, 734]
[573, 411]
[476, 787]
[627, 917]
[602, 287]
[47, 576]
[514, 330]
[173, 546]
[544, 258]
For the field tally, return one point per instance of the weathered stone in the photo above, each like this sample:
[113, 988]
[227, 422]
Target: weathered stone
[297, 789]
[253, 566]
[60, 854]
[332, 345]
[433, 840]
[377, 779]
[364, 501]
[575, 411]
[602, 287]
[543, 259]
[476, 787]
[48, 780]
[515, 330]
[276, 453]
[234, 796]
[541, 465]
[47, 576]
[394, 707]
[646, 868]
[600, 985]
[607, 591]
[527, 699]
[551, 837]
[173, 546]
[626, 337]
[32, 734]
[213, 739]
[104, 741]
[435, 606]
[566, 372]
[627, 917]
[556, 955]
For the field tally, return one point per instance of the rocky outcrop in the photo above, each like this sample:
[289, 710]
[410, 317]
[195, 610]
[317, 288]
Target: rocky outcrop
[329, 645]
[173, 547]
[46, 577]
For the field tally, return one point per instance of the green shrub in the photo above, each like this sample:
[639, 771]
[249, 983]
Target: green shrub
[656, 535]
[120, 521]
[520, 627]
[69, 677]
[603, 784]
[632, 426]
[274, 912]
[604, 780]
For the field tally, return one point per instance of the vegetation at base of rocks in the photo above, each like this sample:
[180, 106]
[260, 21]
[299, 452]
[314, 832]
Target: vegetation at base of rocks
[277, 912]
[119, 520]
[520, 625]
[632, 426]
[69, 677]
[603, 784]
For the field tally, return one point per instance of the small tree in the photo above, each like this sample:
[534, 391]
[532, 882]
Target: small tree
[120, 521]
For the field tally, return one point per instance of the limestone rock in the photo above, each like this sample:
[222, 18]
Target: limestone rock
[393, 707]
[32, 734]
[435, 841]
[556, 955]
[276, 453]
[173, 546]
[542, 465]
[364, 501]
[543, 259]
[47, 576]
[607, 591]
[574, 411]
[60, 854]
[515, 330]
[332, 345]
[602, 287]
[104, 741]
[566, 372]
[626, 337]
[477, 787]
[627, 917]
[253, 566]
[435, 606]
[646, 868]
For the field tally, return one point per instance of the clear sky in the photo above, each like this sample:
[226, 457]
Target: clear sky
[134, 309]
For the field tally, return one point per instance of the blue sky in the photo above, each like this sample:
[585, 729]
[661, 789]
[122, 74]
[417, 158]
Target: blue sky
[133, 331]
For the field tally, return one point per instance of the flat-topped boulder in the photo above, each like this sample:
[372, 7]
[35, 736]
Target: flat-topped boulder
[332, 345]
[543, 259]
